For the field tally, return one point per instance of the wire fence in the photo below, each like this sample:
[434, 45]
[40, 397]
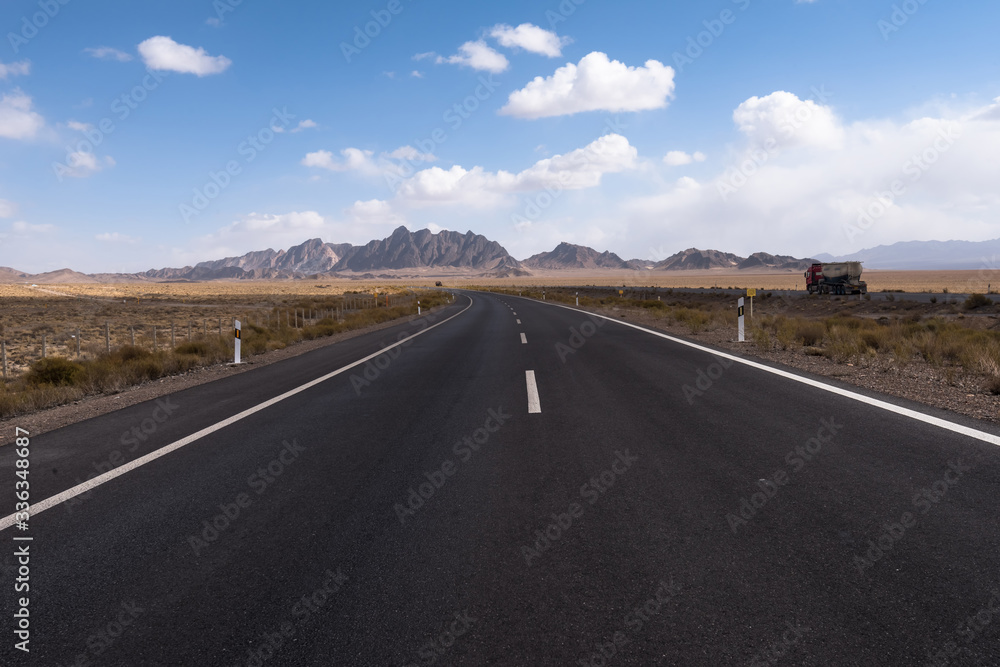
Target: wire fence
[90, 337]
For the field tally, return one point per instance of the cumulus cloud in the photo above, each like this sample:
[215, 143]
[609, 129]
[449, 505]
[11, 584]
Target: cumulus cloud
[306, 124]
[17, 119]
[834, 187]
[412, 154]
[595, 84]
[530, 37]
[576, 170]
[354, 159]
[81, 164]
[163, 53]
[478, 55]
[7, 209]
[374, 212]
[679, 158]
[783, 118]
[21, 67]
[108, 53]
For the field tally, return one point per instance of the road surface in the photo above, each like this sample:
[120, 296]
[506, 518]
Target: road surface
[515, 483]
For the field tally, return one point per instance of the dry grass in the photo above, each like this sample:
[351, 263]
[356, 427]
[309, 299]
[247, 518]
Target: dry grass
[63, 376]
[962, 282]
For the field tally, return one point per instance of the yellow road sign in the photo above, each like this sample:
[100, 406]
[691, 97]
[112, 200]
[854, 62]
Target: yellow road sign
[751, 291]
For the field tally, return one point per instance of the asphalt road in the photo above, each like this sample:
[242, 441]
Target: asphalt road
[653, 504]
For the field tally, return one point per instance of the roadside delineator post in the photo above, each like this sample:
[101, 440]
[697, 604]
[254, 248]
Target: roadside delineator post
[578, 298]
[418, 306]
[740, 313]
[236, 345]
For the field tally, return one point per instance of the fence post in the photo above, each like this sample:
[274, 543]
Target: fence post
[77, 343]
[131, 328]
[154, 336]
[220, 326]
[3, 346]
[172, 343]
[107, 336]
[43, 346]
[189, 330]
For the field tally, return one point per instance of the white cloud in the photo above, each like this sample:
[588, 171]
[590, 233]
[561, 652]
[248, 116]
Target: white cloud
[355, 159]
[412, 154]
[416, 74]
[478, 55]
[108, 53]
[530, 37]
[79, 127]
[435, 229]
[23, 228]
[163, 53]
[826, 186]
[596, 84]
[788, 121]
[8, 209]
[303, 125]
[21, 67]
[374, 212]
[115, 237]
[424, 56]
[17, 119]
[213, 21]
[679, 158]
[81, 164]
[576, 170]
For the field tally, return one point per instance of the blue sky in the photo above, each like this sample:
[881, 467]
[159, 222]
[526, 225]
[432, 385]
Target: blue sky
[638, 127]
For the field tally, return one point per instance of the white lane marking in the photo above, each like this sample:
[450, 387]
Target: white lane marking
[513, 313]
[846, 393]
[519, 321]
[52, 501]
[534, 406]
[523, 339]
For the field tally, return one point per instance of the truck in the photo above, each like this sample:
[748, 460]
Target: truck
[835, 278]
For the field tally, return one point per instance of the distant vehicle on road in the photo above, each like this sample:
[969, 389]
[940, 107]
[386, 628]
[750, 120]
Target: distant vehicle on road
[438, 284]
[836, 278]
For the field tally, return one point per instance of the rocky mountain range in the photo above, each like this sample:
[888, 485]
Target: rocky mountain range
[405, 253]
[928, 255]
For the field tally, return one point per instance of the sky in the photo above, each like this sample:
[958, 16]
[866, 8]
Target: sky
[140, 135]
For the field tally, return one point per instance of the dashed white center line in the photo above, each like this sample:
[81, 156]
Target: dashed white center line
[534, 406]
[519, 321]
[513, 313]
[524, 339]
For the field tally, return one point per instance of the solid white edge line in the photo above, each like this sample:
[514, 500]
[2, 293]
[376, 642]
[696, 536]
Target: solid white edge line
[534, 405]
[62, 497]
[906, 412]
[524, 340]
